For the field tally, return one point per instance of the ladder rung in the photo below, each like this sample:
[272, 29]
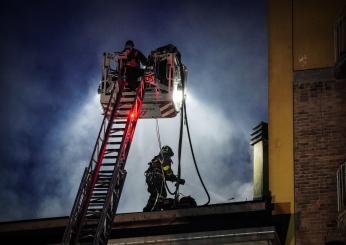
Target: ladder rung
[103, 187]
[104, 177]
[105, 167]
[93, 210]
[96, 202]
[118, 125]
[127, 101]
[110, 157]
[93, 216]
[126, 105]
[99, 194]
[120, 122]
[112, 150]
[106, 171]
[100, 197]
[123, 113]
[124, 109]
[100, 205]
[108, 164]
[99, 188]
[103, 182]
[114, 143]
[115, 136]
[99, 191]
[117, 130]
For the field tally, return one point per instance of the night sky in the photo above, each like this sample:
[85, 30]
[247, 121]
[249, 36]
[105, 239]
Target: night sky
[51, 55]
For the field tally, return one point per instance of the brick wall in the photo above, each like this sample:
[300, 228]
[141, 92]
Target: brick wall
[319, 148]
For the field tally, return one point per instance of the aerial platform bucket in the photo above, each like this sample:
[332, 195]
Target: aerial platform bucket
[164, 77]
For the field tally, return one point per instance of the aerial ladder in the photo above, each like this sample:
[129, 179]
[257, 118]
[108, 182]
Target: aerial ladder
[159, 95]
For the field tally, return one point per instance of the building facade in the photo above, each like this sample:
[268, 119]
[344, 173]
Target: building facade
[307, 112]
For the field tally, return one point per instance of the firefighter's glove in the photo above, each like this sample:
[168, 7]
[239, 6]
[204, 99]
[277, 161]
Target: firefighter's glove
[181, 181]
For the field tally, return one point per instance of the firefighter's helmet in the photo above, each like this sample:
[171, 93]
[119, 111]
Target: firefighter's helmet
[167, 151]
[129, 44]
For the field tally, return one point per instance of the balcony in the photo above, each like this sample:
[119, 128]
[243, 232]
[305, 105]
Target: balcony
[340, 46]
[341, 189]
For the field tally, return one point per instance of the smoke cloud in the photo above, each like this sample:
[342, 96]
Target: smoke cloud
[51, 115]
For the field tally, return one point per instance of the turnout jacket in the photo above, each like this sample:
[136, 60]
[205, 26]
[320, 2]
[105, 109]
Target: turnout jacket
[161, 164]
[134, 58]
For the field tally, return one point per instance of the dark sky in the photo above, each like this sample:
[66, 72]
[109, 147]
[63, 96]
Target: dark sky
[50, 68]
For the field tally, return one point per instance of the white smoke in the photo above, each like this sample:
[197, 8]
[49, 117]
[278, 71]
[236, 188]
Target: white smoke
[211, 134]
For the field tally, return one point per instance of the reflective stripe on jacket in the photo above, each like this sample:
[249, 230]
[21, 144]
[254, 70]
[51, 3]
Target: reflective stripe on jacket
[156, 166]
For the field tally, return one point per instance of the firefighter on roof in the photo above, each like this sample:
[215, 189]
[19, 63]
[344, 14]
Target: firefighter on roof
[133, 61]
[158, 172]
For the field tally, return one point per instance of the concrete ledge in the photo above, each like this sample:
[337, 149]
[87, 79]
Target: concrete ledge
[262, 235]
[135, 219]
[179, 216]
[211, 218]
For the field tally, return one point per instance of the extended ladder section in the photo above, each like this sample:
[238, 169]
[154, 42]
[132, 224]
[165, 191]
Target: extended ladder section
[100, 189]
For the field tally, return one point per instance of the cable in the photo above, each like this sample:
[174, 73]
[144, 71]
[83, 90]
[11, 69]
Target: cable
[180, 144]
[193, 154]
[183, 115]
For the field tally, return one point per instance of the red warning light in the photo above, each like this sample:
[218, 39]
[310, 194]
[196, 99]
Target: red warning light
[132, 115]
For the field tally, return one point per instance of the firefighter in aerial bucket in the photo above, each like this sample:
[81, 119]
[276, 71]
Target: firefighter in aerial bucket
[133, 63]
[158, 172]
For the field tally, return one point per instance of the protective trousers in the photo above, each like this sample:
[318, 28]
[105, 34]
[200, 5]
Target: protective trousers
[157, 190]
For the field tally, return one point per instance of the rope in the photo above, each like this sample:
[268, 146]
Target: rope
[159, 141]
[160, 145]
[158, 134]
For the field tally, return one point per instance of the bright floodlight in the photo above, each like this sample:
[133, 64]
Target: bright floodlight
[177, 95]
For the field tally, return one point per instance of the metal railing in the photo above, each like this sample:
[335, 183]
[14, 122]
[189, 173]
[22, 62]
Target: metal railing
[341, 187]
[340, 37]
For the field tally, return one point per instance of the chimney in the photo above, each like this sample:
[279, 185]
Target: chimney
[259, 141]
